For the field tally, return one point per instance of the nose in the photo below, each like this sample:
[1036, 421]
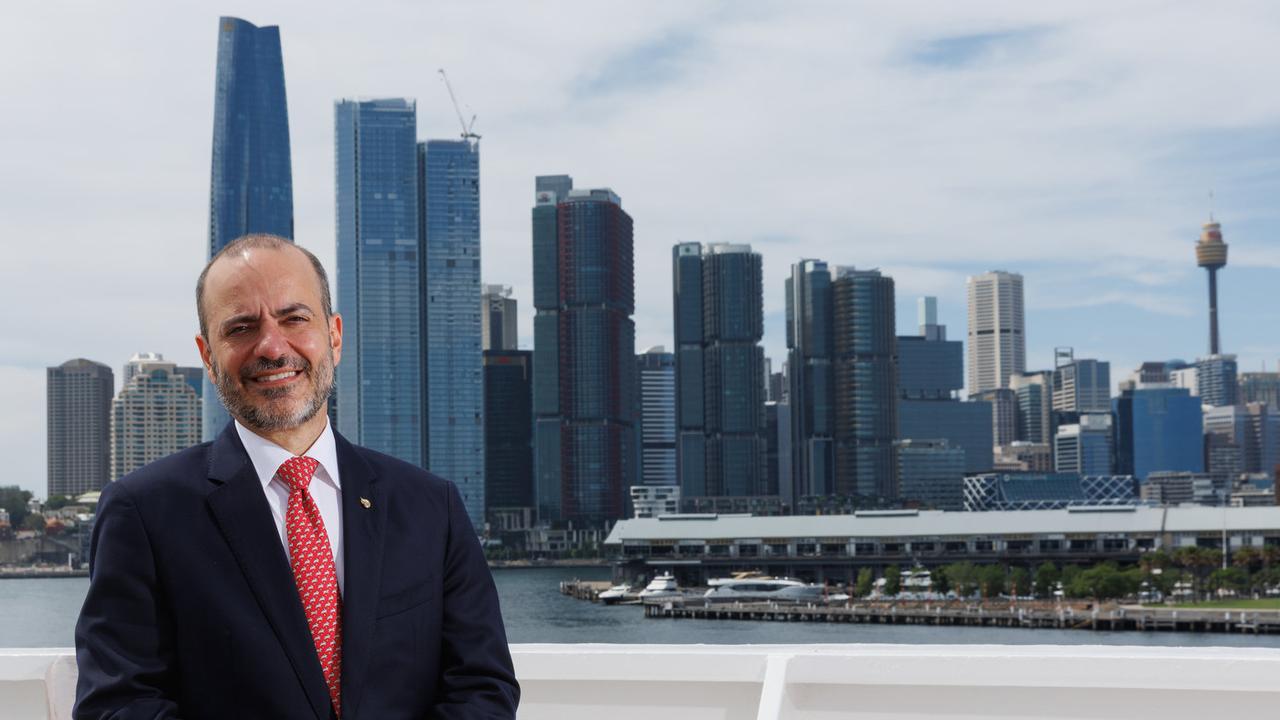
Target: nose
[271, 340]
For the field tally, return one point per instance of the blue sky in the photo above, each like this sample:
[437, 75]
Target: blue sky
[1076, 143]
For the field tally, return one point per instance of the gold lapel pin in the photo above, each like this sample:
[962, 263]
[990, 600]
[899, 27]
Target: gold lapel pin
[365, 502]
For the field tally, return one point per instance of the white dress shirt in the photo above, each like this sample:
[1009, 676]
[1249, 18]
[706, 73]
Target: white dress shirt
[326, 486]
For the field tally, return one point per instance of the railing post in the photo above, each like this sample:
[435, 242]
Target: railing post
[773, 692]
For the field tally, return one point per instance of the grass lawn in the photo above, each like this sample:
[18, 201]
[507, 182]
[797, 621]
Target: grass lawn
[1238, 604]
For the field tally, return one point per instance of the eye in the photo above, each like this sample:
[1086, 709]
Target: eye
[237, 330]
[296, 319]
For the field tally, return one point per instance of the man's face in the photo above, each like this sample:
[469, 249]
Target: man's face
[270, 350]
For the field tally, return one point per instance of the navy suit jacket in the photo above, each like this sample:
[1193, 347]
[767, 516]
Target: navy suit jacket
[192, 609]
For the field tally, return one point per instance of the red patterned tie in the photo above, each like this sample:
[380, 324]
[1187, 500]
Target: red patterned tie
[312, 559]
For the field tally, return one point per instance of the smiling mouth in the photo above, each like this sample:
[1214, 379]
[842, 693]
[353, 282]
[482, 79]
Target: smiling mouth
[276, 377]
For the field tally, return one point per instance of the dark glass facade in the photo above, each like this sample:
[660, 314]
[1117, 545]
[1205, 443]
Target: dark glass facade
[78, 415]
[966, 425]
[251, 184]
[809, 348]
[865, 378]
[379, 282]
[719, 326]
[1158, 429]
[929, 369]
[449, 257]
[508, 428]
[584, 353]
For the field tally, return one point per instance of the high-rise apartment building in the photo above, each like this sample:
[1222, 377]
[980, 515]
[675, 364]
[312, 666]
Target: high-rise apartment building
[78, 418]
[251, 188]
[865, 376]
[720, 368]
[380, 381]
[584, 353]
[809, 346]
[498, 318]
[777, 457]
[656, 371]
[508, 429]
[997, 330]
[156, 413]
[1081, 385]
[1260, 387]
[449, 242]
[1253, 428]
[1085, 447]
[1216, 380]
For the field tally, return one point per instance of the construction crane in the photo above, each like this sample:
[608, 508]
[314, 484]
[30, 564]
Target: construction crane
[466, 126]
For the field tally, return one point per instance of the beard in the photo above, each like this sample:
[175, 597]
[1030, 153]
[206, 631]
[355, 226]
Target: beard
[274, 411]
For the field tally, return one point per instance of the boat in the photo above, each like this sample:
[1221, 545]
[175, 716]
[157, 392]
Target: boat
[618, 594]
[764, 589]
[662, 587]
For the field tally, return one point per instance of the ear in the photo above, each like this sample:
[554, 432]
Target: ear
[335, 337]
[206, 357]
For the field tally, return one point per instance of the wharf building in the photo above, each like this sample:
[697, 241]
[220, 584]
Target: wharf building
[930, 375]
[1047, 491]
[656, 372]
[78, 431]
[720, 370]
[997, 330]
[380, 284]
[156, 413]
[449, 256]
[251, 181]
[834, 547]
[584, 386]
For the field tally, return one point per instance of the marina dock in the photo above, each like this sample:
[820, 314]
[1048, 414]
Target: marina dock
[1111, 618]
[588, 590]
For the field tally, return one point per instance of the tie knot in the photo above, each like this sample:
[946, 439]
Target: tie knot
[297, 472]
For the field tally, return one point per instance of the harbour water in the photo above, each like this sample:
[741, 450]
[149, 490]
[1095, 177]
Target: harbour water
[42, 613]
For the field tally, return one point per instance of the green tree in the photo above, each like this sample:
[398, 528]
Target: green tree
[57, 502]
[963, 578]
[1019, 581]
[1046, 580]
[862, 587]
[892, 580]
[14, 499]
[993, 579]
[1233, 579]
[33, 521]
[939, 582]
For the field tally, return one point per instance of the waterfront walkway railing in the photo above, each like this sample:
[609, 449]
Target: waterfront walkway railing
[791, 682]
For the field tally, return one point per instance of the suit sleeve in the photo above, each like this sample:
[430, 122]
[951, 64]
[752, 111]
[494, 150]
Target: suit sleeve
[124, 637]
[477, 678]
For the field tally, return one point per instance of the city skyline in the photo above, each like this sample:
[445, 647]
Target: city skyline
[1098, 208]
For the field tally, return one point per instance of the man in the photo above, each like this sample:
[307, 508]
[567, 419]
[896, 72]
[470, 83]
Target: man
[280, 571]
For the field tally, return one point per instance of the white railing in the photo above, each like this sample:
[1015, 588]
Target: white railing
[773, 682]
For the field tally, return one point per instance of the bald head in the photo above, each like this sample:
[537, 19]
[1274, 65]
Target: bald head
[241, 248]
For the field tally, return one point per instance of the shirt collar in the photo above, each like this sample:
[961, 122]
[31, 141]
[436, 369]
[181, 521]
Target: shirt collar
[267, 457]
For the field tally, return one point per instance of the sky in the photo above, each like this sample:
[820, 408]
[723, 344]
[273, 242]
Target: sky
[1080, 144]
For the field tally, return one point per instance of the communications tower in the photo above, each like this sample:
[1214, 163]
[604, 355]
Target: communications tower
[1211, 254]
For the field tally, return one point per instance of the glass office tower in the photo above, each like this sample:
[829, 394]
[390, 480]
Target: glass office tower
[864, 351]
[251, 185]
[584, 353]
[449, 251]
[809, 347]
[380, 379]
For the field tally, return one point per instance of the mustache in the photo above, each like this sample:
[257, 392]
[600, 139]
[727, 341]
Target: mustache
[262, 365]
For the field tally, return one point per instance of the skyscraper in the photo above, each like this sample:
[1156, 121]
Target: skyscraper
[498, 318]
[584, 353]
[656, 371]
[449, 254]
[1263, 387]
[1081, 385]
[78, 417]
[1084, 448]
[1157, 429]
[156, 413]
[720, 368]
[1253, 428]
[997, 330]
[865, 376]
[1211, 254]
[1034, 391]
[508, 429]
[1216, 381]
[381, 378]
[251, 185]
[809, 346]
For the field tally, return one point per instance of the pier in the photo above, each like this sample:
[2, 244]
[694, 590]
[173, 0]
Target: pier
[1109, 618]
[588, 590]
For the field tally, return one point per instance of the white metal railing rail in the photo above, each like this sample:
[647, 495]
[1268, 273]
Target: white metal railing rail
[776, 682]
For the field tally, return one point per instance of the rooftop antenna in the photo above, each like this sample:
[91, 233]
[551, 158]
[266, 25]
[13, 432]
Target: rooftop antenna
[467, 134]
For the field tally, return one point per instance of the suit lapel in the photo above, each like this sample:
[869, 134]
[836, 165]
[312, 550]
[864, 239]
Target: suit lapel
[363, 518]
[241, 512]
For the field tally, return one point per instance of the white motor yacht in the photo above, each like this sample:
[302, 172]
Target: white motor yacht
[660, 588]
[764, 590]
[617, 594]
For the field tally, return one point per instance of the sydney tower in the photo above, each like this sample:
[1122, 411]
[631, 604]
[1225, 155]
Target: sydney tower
[1211, 254]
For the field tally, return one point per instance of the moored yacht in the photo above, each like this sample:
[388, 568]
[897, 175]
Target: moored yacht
[764, 590]
[661, 587]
